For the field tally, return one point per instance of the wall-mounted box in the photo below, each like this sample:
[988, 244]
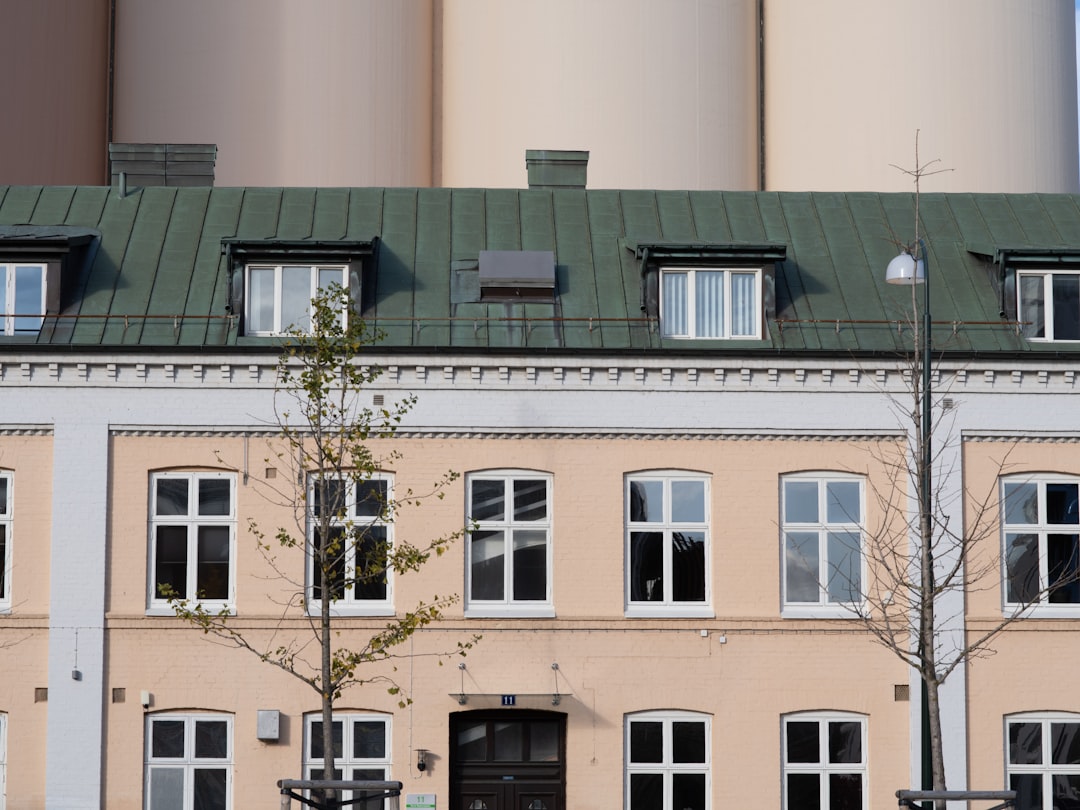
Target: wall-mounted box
[268, 727]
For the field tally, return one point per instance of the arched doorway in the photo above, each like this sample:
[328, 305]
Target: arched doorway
[508, 760]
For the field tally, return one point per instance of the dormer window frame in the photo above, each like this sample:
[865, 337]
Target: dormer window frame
[15, 311]
[662, 262]
[281, 310]
[353, 259]
[1043, 304]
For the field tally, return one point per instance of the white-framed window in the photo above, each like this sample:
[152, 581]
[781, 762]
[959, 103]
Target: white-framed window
[189, 761]
[7, 483]
[709, 302]
[1049, 304]
[192, 538]
[821, 520]
[667, 544]
[1041, 533]
[278, 296]
[668, 756]
[361, 751]
[824, 756]
[361, 531]
[22, 297]
[1043, 761]
[508, 556]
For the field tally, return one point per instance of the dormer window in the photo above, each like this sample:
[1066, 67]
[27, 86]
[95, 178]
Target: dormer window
[279, 296]
[709, 302]
[22, 298]
[1049, 304]
[272, 281]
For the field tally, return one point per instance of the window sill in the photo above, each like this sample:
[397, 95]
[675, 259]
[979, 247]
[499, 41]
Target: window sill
[669, 612]
[820, 612]
[212, 610]
[509, 612]
[342, 611]
[1043, 612]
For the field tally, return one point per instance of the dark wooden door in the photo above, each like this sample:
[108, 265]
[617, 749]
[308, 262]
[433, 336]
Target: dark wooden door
[508, 760]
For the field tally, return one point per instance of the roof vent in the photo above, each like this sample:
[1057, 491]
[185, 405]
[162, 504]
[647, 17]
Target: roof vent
[556, 168]
[509, 275]
[163, 164]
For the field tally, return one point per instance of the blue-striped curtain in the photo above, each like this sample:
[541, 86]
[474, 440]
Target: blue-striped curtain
[743, 305]
[674, 320]
[709, 303]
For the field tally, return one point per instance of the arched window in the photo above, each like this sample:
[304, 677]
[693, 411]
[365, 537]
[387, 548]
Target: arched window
[1043, 760]
[189, 761]
[668, 755]
[361, 749]
[824, 755]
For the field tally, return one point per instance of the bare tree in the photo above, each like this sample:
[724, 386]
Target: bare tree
[337, 544]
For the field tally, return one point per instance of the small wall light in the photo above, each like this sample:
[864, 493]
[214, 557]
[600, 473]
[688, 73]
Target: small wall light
[421, 759]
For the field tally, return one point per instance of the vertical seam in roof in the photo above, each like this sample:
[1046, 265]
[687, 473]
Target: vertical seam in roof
[157, 266]
[693, 219]
[194, 266]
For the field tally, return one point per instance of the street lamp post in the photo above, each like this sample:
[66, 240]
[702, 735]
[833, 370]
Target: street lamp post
[908, 269]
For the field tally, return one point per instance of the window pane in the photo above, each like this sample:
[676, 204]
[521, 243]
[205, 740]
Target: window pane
[709, 303]
[674, 321]
[1021, 568]
[212, 576]
[530, 499]
[331, 566]
[315, 741]
[688, 566]
[1032, 306]
[215, 496]
[167, 739]
[543, 741]
[646, 741]
[369, 566]
[211, 739]
[329, 495]
[646, 791]
[3, 558]
[488, 499]
[1066, 292]
[260, 299]
[1025, 744]
[845, 742]
[171, 496]
[369, 739]
[688, 501]
[845, 567]
[3, 297]
[3, 496]
[296, 298]
[803, 742]
[688, 791]
[803, 791]
[1061, 503]
[209, 789]
[646, 566]
[1066, 789]
[331, 275]
[646, 501]
[28, 298]
[371, 498]
[842, 502]
[170, 559]
[800, 501]
[1028, 787]
[845, 791]
[472, 741]
[1065, 743]
[486, 551]
[743, 305]
[166, 789]
[1021, 503]
[1063, 568]
[688, 741]
[509, 741]
[801, 567]
[530, 565]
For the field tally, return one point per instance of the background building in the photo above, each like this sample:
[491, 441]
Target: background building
[693, 94]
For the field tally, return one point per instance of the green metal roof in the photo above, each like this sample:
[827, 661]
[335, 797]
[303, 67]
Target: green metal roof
[157, 275]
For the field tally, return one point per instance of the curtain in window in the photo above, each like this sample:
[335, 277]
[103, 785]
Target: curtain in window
[1032, 306]
[673, 295]
[709, 303]
[743, 305]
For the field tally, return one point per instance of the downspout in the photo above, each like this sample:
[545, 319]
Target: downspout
[761, 93]
[110, 92]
